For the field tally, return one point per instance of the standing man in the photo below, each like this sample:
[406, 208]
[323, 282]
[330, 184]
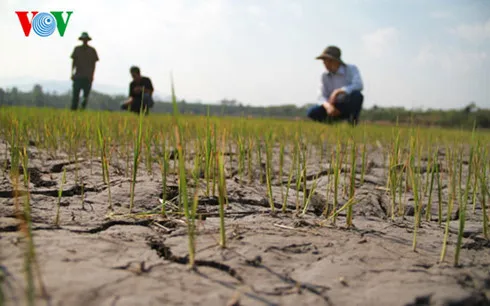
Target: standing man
[84, 59]
[140, 93]
[341, 87]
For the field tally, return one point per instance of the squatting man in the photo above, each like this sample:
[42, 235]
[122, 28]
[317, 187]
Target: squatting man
[341, 87]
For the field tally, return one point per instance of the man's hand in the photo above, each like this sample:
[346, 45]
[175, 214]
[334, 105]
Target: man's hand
[331, 110]
[128, 101]
[334, 95]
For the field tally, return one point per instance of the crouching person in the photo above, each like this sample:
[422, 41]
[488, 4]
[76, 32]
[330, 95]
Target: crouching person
[140, 93]
[341, 87]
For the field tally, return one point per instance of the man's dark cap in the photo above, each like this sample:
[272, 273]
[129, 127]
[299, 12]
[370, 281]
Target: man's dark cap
[331, 52]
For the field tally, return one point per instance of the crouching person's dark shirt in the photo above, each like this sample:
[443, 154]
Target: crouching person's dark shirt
[137, 96]
[143, 82]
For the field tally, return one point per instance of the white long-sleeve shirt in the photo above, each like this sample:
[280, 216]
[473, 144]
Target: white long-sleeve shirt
[346, 77]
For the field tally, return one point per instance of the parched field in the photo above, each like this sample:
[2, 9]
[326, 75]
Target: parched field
[233, 211]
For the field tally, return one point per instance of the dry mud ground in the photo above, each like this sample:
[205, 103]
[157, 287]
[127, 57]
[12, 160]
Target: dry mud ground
[97, 258]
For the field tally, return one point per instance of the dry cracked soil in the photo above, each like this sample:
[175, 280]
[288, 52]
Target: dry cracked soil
[96, 256]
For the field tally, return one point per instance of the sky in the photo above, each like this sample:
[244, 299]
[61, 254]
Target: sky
[411, 53]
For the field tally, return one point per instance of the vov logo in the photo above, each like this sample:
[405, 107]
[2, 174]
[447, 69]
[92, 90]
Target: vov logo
[43, 24]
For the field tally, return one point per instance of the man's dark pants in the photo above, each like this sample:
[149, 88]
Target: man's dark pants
[80, 84]
[349, 106]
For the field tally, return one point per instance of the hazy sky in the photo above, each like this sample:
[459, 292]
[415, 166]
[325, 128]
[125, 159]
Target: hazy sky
[430, 53]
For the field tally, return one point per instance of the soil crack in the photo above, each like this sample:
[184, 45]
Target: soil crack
[70, 192]
[293, 248]
[317, 290]
[164, 252]
[111, 223]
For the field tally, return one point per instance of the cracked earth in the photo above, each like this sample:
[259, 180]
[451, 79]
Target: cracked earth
[98, 256]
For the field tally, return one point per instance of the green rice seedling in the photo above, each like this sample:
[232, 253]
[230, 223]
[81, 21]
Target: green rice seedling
[196, 171]
[105, 163]
[259, 161]
[175, 157]
[215, 166]
[337, 167]
[190, 213]
[164, 167]
[464, 204]
[402, 184]
[304, 176]
[312, 191]
[76, 140]
[126, 148]
[222, 198]
[178, 140]
[328, 188]
[60, 194]
[208, 153]
[230, 155]
[418, 177]
[137, 152]
[420, 146]
[148, 151]
[415, 184]
[241, 158]
[321, 147]
[417, 208]
[433, 168]
[439, 194]
[345, 174]
[352, 185]
[225, 191]
[183, 191]
[288, 186]
[281, 166]
[475, 178]
[392, 174]
[452, 182]
[429, 167]
[14, 153]
[298, 174]
[249, 160]
[102, 150]
[335, 213]
[407, 180]
[70, 135]
[460, 177]
[268, 153]
[363, 165]
[30, 262]
[484, 191]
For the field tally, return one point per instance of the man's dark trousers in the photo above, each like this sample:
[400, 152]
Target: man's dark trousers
[349, 106]
[80, 84]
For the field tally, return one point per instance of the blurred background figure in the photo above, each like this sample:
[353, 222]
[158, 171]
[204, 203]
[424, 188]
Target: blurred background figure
[140, 93]
[84, 60]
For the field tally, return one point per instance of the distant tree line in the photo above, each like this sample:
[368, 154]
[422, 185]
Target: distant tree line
[465, 117]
